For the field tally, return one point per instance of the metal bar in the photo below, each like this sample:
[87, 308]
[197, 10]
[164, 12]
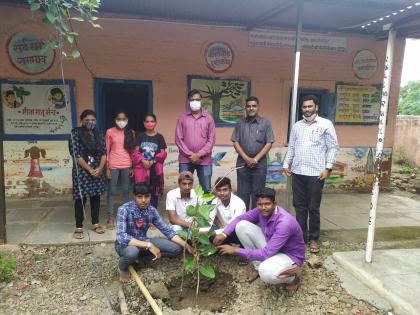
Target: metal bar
[292, 118]
[380, 141]
[3, 236]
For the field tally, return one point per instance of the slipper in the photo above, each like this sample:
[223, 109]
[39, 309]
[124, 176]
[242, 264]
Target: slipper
[98, 229]
[314, 247]
[78, 234]
[253, 275]
[292, 287]
[110, 224]
[125, 276]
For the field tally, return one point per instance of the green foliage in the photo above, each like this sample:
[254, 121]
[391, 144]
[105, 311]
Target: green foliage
[20, 93]
[402, 158]
[7, 265]
[409, 103]
[200, 241]
[407, 169]
[39, 257]
[60, 14]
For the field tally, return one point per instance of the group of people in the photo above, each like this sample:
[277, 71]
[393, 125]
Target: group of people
[266, 234]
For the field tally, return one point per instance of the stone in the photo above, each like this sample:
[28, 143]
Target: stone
[10, 248]
[413, 176]
[321, 287]
[83, 298]
[326, 243]
[159, 291]
[314, 262]
[333, 300]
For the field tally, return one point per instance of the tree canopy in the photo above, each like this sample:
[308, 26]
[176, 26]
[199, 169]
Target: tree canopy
[409, 99]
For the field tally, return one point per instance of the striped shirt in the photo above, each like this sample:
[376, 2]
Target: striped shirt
[312, 147]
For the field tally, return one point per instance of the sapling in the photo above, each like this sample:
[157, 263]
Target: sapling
[198, 235]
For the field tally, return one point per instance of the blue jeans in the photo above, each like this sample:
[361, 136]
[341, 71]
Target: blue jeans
[129, 255]
[204, 173]
[124, 173]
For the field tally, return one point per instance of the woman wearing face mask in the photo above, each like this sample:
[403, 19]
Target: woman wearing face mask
[119, 146]
[87, 147]
[148, 159]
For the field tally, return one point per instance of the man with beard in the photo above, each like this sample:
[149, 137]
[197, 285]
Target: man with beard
[310, 157]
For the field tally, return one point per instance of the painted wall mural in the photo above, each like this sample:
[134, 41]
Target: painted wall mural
[37, 169]
[43, 168]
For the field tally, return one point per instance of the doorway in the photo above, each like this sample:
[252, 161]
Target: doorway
[131, 96]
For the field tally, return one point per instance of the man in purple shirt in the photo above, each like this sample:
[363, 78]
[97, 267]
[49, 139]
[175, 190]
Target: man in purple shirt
[195, 137]
[275, 246]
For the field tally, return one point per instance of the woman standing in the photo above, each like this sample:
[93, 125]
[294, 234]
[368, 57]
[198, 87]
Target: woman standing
[119, 145]
[148, 159]
[87, 147]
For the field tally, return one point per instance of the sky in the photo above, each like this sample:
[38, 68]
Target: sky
[411, 66]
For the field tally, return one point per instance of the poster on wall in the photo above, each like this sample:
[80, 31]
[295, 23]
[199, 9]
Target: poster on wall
[223, 98]
[37, 110]
[27, 54]
[357, 104]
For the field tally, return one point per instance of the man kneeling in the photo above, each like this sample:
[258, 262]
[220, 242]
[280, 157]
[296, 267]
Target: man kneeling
[133, 221]
[275, 247]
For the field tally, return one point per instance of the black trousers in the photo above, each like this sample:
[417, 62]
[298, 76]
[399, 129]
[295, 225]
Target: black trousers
[250, 180]
[95, 203]
[307, 193]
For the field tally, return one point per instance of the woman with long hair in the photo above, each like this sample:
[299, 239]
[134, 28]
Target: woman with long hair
[87, 148]
[119, 145]
[148, 159]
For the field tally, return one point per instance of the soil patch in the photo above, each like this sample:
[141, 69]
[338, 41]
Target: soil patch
[215, 295]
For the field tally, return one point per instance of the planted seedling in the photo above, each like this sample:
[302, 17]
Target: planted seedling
[198, 235]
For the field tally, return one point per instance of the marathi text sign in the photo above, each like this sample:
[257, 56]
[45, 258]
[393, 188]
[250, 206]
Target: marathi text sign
[286, 39]
[357, 104]
[36, 109]
[26, 53]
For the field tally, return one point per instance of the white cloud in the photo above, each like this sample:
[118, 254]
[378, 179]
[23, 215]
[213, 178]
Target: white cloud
[411, 66]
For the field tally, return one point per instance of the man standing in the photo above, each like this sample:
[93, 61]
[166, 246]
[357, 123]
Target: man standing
[252, 139]
[133, 220]
[275, 246]
[228, 207]
[311, 154]
[195, 137]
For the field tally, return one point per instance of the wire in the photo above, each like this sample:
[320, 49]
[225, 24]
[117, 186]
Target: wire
[98, 269]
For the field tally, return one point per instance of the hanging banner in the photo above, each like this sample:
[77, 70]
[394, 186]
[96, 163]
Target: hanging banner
[26, 53]
[357, 104]
[37, 109]
[286, 40]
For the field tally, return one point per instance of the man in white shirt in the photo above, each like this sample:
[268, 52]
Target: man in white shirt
[178, 199]
[228, 207]
[310, 157]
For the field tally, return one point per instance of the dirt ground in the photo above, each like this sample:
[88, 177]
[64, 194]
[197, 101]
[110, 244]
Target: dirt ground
[64, 280]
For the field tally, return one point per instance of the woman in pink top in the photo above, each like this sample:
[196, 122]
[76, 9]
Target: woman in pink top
[149, 157]
[119, 145]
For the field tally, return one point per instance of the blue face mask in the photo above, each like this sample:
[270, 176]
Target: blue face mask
[90, 125]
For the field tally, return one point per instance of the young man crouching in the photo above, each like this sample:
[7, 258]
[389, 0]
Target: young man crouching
[133, 221]
[275, 246]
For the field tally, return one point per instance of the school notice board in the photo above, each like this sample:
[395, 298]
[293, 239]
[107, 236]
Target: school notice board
[357, 104]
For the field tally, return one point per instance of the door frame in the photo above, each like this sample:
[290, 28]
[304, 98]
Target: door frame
[99, 99]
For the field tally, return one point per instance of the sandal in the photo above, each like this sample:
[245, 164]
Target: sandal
[98, 229]
[110, 224]
[78, 233]
[314, 247]
[293, 286]
[253, 275]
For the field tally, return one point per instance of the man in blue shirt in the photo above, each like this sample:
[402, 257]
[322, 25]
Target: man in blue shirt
[133, 221]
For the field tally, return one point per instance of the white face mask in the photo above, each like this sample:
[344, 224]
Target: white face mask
[195, 105]
[121, 123]
[310, 118]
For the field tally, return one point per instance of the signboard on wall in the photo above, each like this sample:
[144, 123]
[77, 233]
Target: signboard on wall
[219, 56]
[37, 110]
[26, 53]
[365, 64]
[223, 98]
[357, 104]
[286, 40]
